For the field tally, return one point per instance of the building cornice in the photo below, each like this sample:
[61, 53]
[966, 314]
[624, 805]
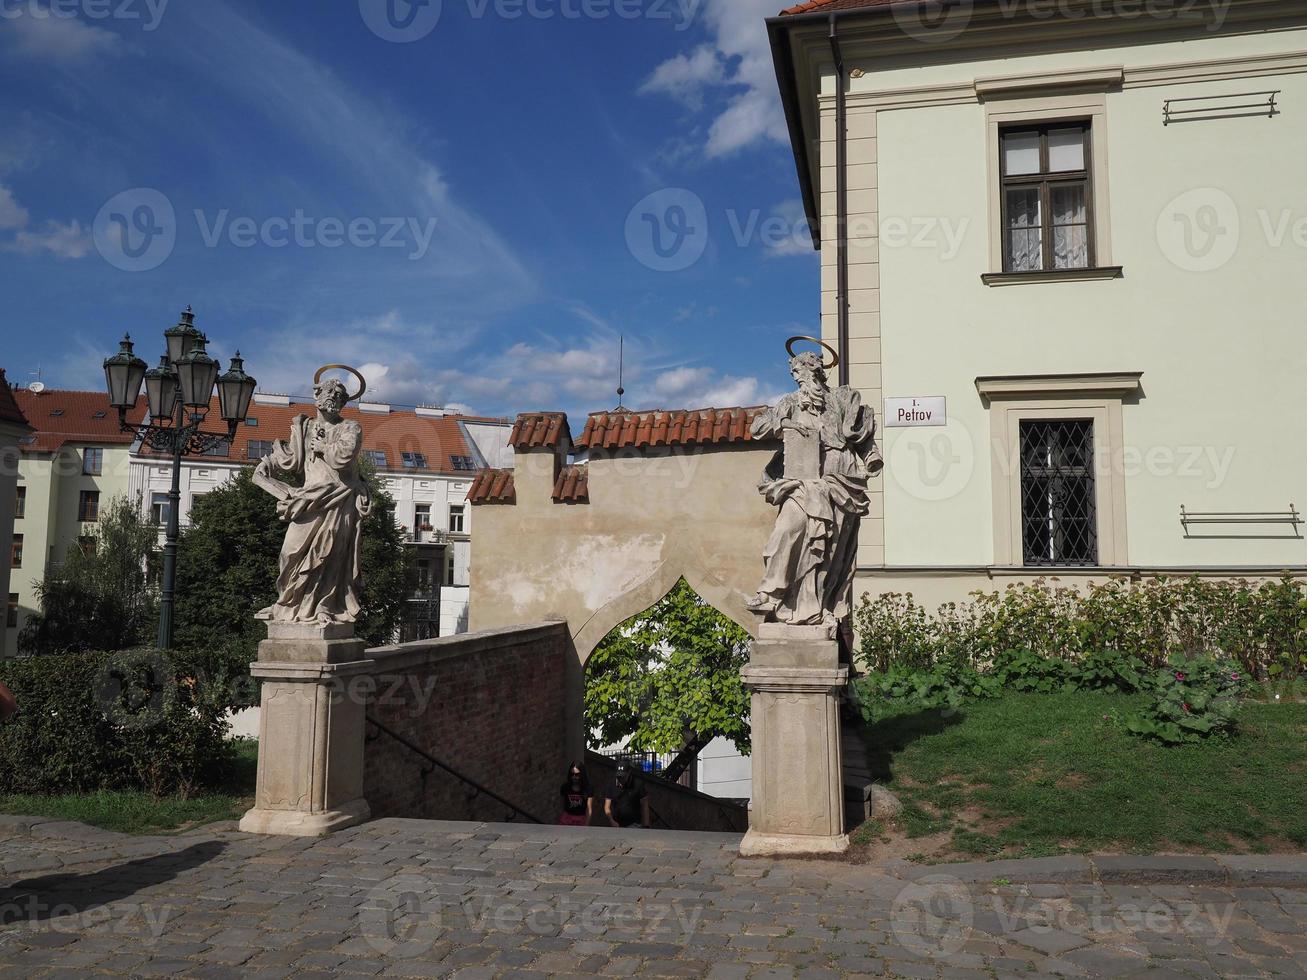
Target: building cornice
[1114, 384]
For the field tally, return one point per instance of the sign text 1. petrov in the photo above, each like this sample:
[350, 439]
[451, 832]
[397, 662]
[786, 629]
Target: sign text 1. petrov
[921, 410]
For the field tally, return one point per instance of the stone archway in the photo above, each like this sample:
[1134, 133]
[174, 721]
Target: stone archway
[682, 563]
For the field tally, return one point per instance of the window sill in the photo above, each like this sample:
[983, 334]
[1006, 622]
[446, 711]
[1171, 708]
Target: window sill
[1054, 275]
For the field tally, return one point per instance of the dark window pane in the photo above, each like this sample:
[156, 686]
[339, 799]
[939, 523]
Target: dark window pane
[1059, 524]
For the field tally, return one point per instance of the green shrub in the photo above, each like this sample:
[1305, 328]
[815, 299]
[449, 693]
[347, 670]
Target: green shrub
[944, 686]
[1024, 670]
[1105, 671]
[1262, 627]
[134, 719]
[1192, 699]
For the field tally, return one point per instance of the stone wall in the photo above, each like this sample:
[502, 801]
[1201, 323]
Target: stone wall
[491, 704]
[679, 807]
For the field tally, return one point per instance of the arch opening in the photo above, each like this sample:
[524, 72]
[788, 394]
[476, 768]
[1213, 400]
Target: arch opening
[663, 694]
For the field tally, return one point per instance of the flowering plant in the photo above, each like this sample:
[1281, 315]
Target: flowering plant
[1192, 699]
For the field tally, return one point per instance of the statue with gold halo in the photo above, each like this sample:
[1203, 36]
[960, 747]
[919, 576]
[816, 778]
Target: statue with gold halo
[819, 482]
[324, 507]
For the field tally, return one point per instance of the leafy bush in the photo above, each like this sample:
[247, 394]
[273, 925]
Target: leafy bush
[98, 597]
[1105, 671]
[1023, 670]
[1192, 700]
[1262, 627]
[135, 719]
[944, 686]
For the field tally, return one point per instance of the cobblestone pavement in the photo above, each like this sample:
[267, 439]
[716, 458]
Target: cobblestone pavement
[421, 899]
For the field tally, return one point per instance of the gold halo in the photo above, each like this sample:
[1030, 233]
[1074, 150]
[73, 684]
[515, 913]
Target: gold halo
[363, 385]
[834, 357]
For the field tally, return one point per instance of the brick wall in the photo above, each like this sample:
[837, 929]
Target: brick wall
[492, 705]
[674, 806]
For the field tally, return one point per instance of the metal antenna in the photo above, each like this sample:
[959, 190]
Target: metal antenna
[621, 354]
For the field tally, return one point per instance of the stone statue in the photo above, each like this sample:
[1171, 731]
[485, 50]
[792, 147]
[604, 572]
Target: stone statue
[819, 482]
[324, 508]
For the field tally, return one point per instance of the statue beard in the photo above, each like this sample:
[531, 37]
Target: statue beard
[812, 394]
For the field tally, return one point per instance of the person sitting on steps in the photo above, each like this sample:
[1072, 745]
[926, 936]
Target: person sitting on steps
[626, 804]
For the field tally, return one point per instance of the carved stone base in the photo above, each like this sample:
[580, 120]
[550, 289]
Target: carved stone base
[293, 823]
[311, 730]
[790, 845]
[795, 681]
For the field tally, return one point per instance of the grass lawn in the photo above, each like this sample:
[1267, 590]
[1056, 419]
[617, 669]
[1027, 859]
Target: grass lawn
[1036, 774]
[136, 812]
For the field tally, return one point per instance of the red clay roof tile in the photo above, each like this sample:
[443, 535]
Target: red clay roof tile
[534, 430]
[432, 443]
[60, 416]
[572, 485]
[492, 487]
[824, 5]
[695, 427]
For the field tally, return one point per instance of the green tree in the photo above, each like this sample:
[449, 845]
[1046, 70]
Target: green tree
[227, 565]
[99, 597]
[668, 680]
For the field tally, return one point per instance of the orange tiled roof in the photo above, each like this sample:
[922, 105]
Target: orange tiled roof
[60, 416]
[492, 487]
[9, 410]
[433, 443]
[697, 427]
[534, 430]
[572, 485]
[824, 5]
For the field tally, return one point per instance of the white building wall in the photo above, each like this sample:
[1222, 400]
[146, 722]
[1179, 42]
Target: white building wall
[1217, 342]
[724, 772]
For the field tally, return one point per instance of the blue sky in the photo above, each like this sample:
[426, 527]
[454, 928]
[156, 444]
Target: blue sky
[460, 197]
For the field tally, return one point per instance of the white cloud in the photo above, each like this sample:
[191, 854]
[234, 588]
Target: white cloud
[64, 241]
[685, 77]
[737, 64]
[12, 214]
[40, 35]
[702, 387]
[792, 235]
[378, 154]
[70, 241]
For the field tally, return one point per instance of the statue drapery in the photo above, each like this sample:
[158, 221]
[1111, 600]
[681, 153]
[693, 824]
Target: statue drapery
[320, 556]
[819, 482]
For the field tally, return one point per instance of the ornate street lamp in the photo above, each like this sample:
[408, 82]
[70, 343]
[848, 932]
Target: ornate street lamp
[179, 392]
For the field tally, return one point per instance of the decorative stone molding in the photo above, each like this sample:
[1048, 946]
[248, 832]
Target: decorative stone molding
[1118, 384]
[1082, 79]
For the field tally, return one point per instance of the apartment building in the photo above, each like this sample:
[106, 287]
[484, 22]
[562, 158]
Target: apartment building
[73, 460]
[13, 428]
[425, 457]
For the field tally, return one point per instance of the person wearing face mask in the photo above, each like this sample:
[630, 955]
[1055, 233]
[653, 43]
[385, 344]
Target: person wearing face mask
[626, 804]
[578, 799]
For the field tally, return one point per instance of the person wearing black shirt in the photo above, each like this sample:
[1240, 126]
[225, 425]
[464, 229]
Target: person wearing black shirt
[626, 804]
[578, 799]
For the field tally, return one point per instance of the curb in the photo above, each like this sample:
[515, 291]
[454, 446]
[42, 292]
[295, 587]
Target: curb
[1129, 869]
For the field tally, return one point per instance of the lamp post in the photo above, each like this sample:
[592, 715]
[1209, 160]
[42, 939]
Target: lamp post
[178, 391]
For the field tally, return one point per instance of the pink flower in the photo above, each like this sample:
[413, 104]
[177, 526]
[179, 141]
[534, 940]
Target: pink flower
[1179, 675]
[1185, 705]
[1234, 676]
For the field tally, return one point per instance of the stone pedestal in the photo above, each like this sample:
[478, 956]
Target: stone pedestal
[795, 681]
[311, 731]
